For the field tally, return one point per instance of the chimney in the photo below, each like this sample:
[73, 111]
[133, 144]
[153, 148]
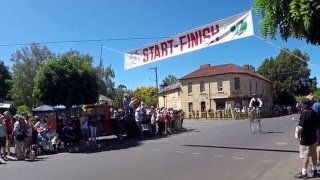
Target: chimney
[204, 66]
[246, 66]
[249, 67]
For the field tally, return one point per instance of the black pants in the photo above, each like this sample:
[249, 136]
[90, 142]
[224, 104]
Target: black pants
[162, 126]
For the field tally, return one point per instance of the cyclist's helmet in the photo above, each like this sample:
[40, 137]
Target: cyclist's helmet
[254, 95]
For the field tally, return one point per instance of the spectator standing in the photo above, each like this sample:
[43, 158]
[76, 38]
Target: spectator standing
[307, 135]
[9, 126]
[3, 136]
[125, 105]
[19, 137]
[93, 122]
[84, 126]
[138, 118]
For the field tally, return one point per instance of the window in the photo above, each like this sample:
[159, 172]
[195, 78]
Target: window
[178, 93]
[250, 84]
[190, 88]
[257, 86]
[202, 87]
[203, 106]
[190, 106]
[220, 86]
[263, 86]
[237, 83]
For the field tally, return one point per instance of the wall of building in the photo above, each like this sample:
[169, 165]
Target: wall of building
[171, 99]
[229, 96]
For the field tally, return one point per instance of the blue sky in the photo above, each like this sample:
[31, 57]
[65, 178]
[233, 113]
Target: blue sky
[60, 20]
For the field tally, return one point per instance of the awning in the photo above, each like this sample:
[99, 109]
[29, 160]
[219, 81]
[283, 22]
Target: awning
[43, 108]
[5, 105]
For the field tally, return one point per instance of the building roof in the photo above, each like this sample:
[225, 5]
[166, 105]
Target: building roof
[222, 69]
[170, 88]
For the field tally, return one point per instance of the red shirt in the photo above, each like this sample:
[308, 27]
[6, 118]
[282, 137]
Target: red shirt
[9, 126]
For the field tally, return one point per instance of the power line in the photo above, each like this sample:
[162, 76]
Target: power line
[85, 40]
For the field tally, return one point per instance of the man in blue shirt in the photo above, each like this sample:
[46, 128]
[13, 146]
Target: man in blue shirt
[316, 108]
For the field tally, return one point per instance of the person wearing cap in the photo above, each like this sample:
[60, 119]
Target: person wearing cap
[3, 136]
[307, 136]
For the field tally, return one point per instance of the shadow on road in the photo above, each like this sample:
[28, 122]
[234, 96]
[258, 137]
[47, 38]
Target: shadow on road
[115, 144]
[243, 148]
[271, 132]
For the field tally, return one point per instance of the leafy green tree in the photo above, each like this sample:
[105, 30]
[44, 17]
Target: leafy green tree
[298, 19]
[147, 94]
[289, 74]
[169, 80]
[316, 94]
[69, 79]
[5, 80]
[27, 63]
[105, 80]
[23, 109]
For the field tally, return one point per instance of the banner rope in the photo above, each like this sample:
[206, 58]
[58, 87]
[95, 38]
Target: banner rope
[284, 50]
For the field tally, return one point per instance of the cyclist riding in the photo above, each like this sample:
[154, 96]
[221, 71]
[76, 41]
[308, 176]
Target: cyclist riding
[256, 103]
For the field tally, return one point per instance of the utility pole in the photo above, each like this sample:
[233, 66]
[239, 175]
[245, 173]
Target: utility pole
[100, 68]
[156, 72]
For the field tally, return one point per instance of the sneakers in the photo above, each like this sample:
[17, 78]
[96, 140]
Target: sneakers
[301, 176]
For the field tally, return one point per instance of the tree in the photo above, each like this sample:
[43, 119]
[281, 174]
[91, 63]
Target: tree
[5, 78]
[147, 94]
[169, 80]
[69, 79]
[289, 74]
[298, 19]
[27, 63]
[105, 80]
[23, 109]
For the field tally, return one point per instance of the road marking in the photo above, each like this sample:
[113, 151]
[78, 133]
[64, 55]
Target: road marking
[196, 153]
[181, 152]
[281, 143]
[156, 150]
[238, 158]
[218, 156]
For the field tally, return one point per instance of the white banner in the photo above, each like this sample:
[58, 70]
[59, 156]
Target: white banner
[232, 28]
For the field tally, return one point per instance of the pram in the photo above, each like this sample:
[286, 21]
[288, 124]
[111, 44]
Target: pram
[49, 141]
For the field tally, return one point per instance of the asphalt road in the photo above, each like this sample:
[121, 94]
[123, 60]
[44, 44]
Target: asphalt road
[208, 150]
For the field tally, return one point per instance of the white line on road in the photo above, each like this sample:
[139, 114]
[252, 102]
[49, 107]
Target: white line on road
[181, 152]
[196, 153]
[218, 156]
[238, 158]
[156, 150]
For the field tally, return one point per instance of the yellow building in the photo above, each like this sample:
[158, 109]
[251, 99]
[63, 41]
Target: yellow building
[170, 96]
[220, 87]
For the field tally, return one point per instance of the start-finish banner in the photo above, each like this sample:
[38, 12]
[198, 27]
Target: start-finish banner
[232, 28]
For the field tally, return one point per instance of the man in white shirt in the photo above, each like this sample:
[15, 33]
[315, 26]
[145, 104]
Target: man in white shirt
[138, 118]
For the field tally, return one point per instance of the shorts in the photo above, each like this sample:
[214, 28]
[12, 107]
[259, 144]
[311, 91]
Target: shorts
[3, 142]
[307, 151]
